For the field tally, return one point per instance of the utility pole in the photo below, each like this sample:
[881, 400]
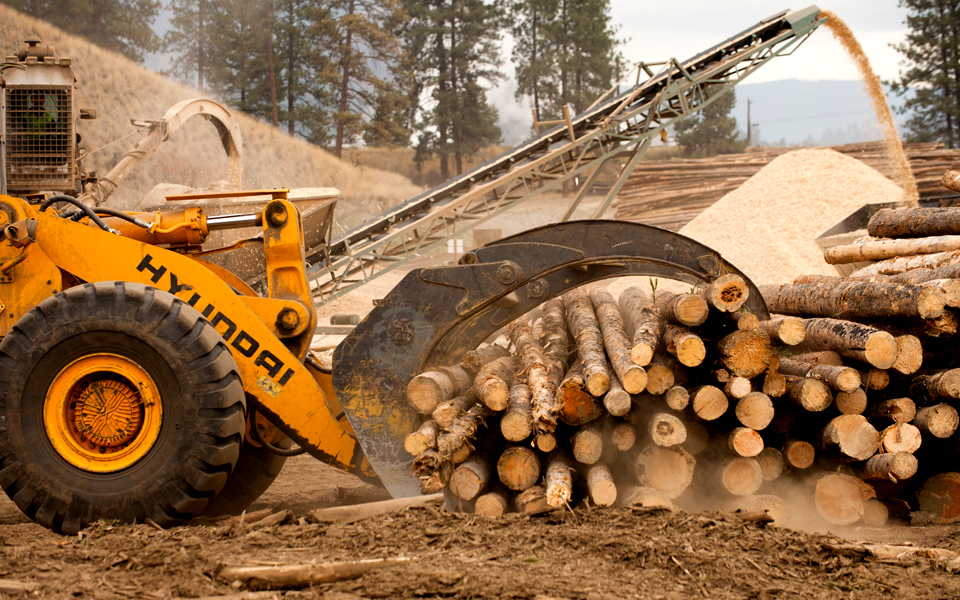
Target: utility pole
[749, 124]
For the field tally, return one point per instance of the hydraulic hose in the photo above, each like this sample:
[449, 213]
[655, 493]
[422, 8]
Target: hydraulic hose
[86, 209]
[121, 215]
[316, 364]
[257, 437]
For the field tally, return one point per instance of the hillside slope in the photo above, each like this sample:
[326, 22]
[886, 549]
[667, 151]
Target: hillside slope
[119, 90]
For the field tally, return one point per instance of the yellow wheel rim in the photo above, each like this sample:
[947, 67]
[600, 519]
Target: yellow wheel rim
[102, 413]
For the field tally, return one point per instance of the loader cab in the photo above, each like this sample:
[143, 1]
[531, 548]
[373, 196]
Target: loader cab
[38, 115]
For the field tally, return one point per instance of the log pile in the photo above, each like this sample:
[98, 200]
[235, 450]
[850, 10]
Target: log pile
[670, 193]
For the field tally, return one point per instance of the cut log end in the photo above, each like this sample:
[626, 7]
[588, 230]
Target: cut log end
[492, 504]
[603, 490]
[745, 442]
[939, 498]
[741, 476]
[839, 499]
[799, 454]
[669, 470]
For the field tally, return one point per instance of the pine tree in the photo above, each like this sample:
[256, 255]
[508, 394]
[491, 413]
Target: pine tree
[588, 59]
[239, 37]
[932, 71]
[534, 58]
[188, 39]
[124, 26]
[712, 131]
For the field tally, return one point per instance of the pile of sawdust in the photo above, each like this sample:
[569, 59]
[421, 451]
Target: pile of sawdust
[767, 226]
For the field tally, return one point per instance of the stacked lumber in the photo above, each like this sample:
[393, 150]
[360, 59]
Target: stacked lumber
[670, 193]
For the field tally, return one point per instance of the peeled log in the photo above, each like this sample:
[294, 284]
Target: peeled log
[492, 504]
[427, 390]
[746, 353]
[632, 376]
[853, 340]
[642, 323]
[890, 467]
[684, 344]
[666, 430]
[914, 222]
[424, 438]
[852, 435]
[893, 266]
[844, 379]
[577, 406]
[882, 249]
[518, 468]
[616, 400]
[677, 398]
[771, 463]
[811, 394]
[660, 376]
[708, 402]
[586, 331]
[898, 410]
[909, 355]
[737, 387]
[851, 403]
[741, 476]
[786, 330]
[558, 483]
[774, 384]
[845, 298]
[799, 454]
[516, 424]
[939, 498]
[669, 470]
[937, 385]
[603, 491]
[755, 410]
[900, 437]
[493, 381]
[543, 375]
[745, 442]
[587, 445]
[940, 421]
[470, 478]
[682, 309]
[447, 412]
[624, 436]
[555, 338]
[838, 499]
[726, 293]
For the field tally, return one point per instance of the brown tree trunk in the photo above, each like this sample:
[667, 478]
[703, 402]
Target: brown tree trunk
[665, 429]
[577, 406]
[427, 390]
[492, 504]
[875, 379]
[616, 400]
[882, 249]
[852, 435]
[909, 355]
[785, 330]
[677, 398]
[643, 325]
[518, 468]
[533, 501]
[462, 432]
[558, 483]
[517, 422]
[556, 337]
[898, 410]
[839, 499]
[543, 375]
[746, 353]
[741, 476]
[755, 410]
[727, 293]
[893, 266]
[493, 380]
[774, 385]
[345, 81]
[708, 402]
[936, 385]
[624, 436]
[470, 478]
[853, 340]
[822, 357]
[812, 395]
[939, 498]
[587, 445]
[851, 403]
[684, 344]
[445, 414]
[890, 467]
[857, 299]
[771, 463]
[586, 331]
[900, 437]
[799, 454]
[843, 379]
[271, 70]
[474, 360]
[603, 490]
[660, 376]
[940, 421]
[737, 387]
[686, 310]
[914, 222]
[424, 438]
[745, 442]
[632, 376]
[669, 470]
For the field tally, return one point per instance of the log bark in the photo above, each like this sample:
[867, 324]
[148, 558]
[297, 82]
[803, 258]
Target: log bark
[774, 385]
[643, 325]
[677, 398]
[427, 390]
[755, 410]
[893, 266]
[727, 293]
[853, 340]
[746, 353]
[436, 480]
[669, 470]
[558, 483]
[785, 330]
[741, 476]
[844, 298]
[493, 381]
[616, 400]
[708, 402]
[882, 249]
[940, 421]
[492, 504]
[518, 468]
[665, 429]
[799, 454]
[851, 403]
[697, 438]
[587, 445]
[838, 499]
[577, 406]
[358, 512]
[462, 432]
[771, 463]
[843, 379]
[914, 222]
[744, 320]
[939, 498]
[624, 436]
[543, 375]
[909, 355]
[516, 424]
[461, 454]
[470, 478]
[900, 437]
[309, 574]
[745, 442]
[660, 376]
[424, 438]
[556, 338]
[447, 412]
[632, 376]
[586, 331]
[474, 360]
[533, 501]
[687, 310]
[890, 467]
[737, 387]
[684, 344]
[936, 385]
[810, 394]
[13, 588]
[603, 490]
[822, 357]
[898, 410]
[852, 435]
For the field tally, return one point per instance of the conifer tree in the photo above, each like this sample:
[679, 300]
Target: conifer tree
[712, 131]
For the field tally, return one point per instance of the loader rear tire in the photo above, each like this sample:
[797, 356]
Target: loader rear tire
[256, 470]
[125, 358]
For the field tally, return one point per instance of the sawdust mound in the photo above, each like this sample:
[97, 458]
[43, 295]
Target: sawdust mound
[767, 226]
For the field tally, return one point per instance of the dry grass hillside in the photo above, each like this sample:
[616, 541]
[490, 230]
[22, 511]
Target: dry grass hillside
[120, 89]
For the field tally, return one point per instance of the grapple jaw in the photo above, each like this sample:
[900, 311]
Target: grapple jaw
[434, 316]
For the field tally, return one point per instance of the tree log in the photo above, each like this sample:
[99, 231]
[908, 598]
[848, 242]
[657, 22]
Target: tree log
[474, 360]
[684, 344]
[632, 495]
[771, 463]
[799, 454]
[853, 340]
[914, 222]
[555, 338]
[603, 490]
[660, 376]
[838, 499]
[737, 387]
[900, 437]
[677, 398]
[577, 406]
[755, 410]
[844, 298]
[586, 331]
[643, 324]
[587, 445]
[822, 357]
[518, 468]
[936, 385]
[909, 355]
[843, 379]
[940, 421]
[811, 394]
[665, 429]
[708, 402]
[447, 412]
[682, 309]
[875, 513]
[785, 330]
[669, 470]
[358, 512]
[890, 467]
[461, 454]
[545, 442]
[470, 478]
[851, 403]
[493, 381]
[543, 375]
[624, 436]
[875, 379]
[746, 353]
[462, 432]
[308, 574]
[774, 385]
[745, 320]
[533, 501]
[898, 410]
[516, 424]
[882, 249]
[727, 293]
[616, 400]
[893, 266]
[852, 435]
[427, 390]
[741, 476]
[558, 483]
[939, 498]
[632, 376]
[745, 442]
[422, 439]
[492, 504]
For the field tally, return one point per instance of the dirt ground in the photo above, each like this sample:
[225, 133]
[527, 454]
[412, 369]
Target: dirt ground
[588, 553]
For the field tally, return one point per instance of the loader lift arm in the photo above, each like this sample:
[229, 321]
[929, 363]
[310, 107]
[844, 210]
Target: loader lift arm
[436, 315]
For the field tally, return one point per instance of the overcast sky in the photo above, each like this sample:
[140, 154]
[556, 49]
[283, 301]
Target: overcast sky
[659, 30]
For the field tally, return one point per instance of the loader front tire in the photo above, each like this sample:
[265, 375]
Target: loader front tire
[256, 470]
[117, 401]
